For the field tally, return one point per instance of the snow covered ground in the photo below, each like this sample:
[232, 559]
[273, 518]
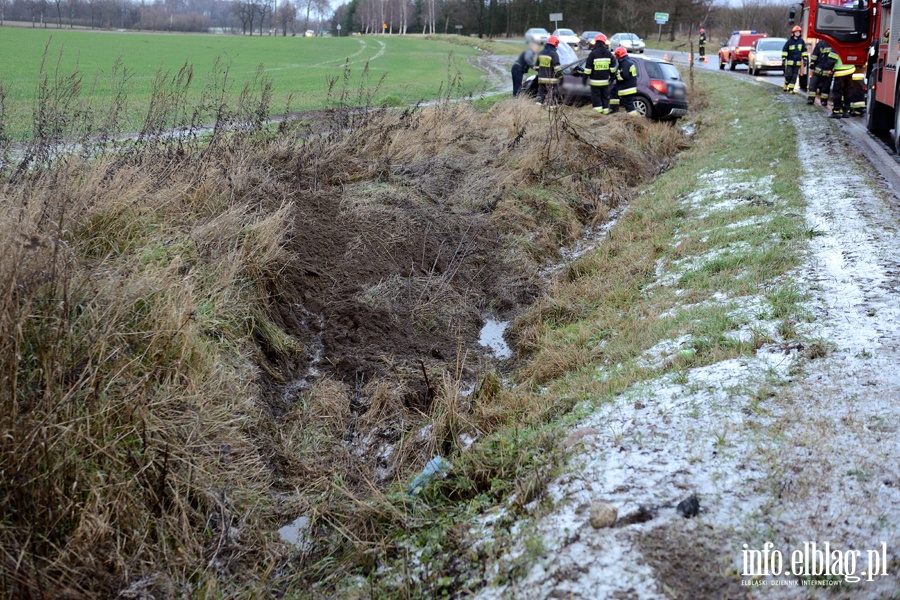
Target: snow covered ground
[794, 445]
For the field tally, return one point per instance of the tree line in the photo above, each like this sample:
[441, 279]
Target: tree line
[484, 18]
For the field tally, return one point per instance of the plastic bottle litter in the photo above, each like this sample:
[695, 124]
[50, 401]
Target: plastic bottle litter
[434, 467]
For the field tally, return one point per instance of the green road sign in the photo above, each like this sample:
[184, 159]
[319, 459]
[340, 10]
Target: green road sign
[661, 17]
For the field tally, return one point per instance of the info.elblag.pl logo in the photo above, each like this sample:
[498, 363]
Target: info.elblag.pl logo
[831, 565]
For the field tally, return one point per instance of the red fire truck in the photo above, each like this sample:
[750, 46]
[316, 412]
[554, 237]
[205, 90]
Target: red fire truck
[863, 33]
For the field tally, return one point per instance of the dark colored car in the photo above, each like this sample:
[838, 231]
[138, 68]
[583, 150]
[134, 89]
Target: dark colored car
[736, 51]
[661, 91]
[586, 40]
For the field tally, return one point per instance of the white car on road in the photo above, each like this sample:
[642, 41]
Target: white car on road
[537, 35]
[765, 55]
[567, 36]
[630, 41]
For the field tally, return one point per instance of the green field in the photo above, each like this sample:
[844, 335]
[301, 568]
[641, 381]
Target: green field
[413, 68]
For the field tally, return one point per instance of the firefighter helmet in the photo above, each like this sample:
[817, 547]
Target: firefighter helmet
[620, 52]
[553, 41]
[796, 29]
[600, 38]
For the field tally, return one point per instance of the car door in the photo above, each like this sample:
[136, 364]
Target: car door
[573, 85]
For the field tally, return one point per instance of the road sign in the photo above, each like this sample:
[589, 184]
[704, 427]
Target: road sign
[338, 26]
[660, 22]
[664, 17]
[556, 18]
[459, 27]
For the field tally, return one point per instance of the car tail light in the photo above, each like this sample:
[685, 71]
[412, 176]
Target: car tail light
[660, 86]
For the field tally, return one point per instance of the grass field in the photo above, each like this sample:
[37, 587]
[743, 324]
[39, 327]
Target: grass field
[413, 68]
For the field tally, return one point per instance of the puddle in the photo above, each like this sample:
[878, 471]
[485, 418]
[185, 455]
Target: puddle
[492, 337]
[295, 533]
[312, 324]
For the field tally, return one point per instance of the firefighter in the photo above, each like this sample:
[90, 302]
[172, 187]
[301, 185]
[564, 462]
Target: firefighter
[599, 65]
[548, 71]
[840, 89]
[822, 62]
[522, 66]
[792, 56]
[857, 95]
[702, 44]
[627, 80]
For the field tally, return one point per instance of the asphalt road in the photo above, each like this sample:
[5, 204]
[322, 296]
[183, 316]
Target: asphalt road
[878, 150]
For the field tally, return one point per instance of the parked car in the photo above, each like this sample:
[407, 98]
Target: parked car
[537, 35]
[629, 41]
[586, 40]
[765, 55]
[567, 36]
[661, 91]
[736, 51]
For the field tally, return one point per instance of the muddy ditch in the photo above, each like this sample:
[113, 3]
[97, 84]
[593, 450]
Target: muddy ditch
[417, 239]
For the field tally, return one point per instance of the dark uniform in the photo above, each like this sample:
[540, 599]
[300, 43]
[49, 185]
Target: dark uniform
[627, 83]
[702, 44]
[840, 89]
[822, 63]
[520, 67]
[792, 55]
[598, 68]
[548, 73]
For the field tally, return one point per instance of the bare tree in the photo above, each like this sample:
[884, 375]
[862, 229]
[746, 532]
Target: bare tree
[287, 12]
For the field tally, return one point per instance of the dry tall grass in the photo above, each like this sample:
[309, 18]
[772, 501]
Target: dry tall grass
[143, 339]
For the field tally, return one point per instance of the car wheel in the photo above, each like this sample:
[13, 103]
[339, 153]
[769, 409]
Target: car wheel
[643, 107]
[641, 51]
[731, 65]
[721, 63]
[878, 118]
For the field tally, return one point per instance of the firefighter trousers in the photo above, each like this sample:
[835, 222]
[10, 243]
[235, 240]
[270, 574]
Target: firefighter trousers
[857, 97]
[613, 98]
[840, 94]
[627, 102]
[819, 85]
[791, 72]
[600, 97]
[546, 92]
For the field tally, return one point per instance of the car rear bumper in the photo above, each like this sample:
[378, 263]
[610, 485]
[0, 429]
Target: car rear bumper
[665, 108]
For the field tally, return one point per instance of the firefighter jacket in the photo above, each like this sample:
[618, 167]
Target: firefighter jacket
[823, 58]
[627, 77]
[703, 40]
[548, 66]
[600, 65]
[794, 52]
[842, 70]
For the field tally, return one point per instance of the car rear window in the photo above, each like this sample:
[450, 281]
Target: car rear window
[663, 71]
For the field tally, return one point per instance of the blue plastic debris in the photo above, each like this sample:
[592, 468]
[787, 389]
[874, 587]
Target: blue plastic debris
[434, 467]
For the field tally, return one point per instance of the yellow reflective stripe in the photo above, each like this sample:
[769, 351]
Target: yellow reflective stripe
[545, 61]
[599, 82]
[857, 105]
[859, 76]
[627, 91]
[547, 81]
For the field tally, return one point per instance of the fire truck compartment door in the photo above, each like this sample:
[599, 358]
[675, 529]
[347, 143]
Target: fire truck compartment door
[843, 24]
